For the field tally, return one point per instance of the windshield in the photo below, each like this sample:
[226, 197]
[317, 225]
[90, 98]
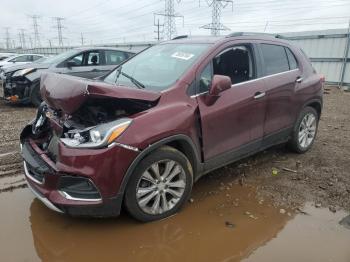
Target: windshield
[158, 67]
[60, 57]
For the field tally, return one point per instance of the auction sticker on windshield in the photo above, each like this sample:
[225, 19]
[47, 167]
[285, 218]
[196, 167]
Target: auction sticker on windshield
[182, 55]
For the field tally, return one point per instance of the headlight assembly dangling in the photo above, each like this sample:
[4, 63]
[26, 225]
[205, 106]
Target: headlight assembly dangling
[96, 136]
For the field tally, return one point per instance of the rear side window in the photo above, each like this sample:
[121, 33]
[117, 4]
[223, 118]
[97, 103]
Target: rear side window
[114, 57]
[291, 59]
[275, 59]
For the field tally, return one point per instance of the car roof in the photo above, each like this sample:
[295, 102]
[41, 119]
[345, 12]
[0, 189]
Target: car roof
[102, 48]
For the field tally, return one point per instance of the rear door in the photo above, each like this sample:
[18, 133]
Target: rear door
[235, 120]
[282, 74]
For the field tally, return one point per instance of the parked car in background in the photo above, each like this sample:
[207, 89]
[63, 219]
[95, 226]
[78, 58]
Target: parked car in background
[22, 83]
[6, 55]
[20, 59]
[146, 131]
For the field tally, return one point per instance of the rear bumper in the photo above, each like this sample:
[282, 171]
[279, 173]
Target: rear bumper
[44, 178]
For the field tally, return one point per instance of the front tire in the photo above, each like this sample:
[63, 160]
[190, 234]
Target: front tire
[35, 97]
[160, 185]
[305, 130]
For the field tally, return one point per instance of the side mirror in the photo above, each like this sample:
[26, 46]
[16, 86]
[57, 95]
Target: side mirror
[219, 84]
[70, 64]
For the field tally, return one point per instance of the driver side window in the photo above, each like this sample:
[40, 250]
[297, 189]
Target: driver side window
[235, 62]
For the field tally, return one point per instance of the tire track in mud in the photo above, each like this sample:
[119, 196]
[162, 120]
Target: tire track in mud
[12, 120]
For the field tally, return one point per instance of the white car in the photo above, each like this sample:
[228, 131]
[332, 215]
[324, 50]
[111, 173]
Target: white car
[20, 59]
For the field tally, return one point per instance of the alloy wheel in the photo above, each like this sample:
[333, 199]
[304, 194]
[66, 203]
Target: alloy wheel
[161, 187]
[307, 130]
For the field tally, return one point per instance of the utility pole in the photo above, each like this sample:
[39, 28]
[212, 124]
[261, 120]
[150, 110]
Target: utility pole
[30, 41]
[82, 38]
[216, 26]
[158, 31]
[169, 19]
[59, 29]
[36, 30]
[22, 38]
[7, 38]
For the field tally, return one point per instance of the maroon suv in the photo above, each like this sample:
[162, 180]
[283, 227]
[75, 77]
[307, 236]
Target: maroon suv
[141, 135]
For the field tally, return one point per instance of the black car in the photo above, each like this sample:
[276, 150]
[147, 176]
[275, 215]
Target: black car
[22, 83]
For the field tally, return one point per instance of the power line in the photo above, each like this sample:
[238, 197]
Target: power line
[169, 19]
[216, 26]
[36, 30]
[59, 29]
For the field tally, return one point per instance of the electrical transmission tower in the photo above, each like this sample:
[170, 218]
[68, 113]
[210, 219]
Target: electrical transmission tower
[36, 30]
[59, 29]
[216, 26]
[169, 18]
[7, 38]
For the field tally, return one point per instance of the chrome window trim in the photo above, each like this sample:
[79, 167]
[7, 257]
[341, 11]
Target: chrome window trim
[250, 81]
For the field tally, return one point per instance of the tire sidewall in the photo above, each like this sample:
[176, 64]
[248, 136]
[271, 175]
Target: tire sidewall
[163, 153]
[295, 140]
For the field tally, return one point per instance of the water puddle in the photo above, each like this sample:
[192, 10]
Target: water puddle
[223, 223]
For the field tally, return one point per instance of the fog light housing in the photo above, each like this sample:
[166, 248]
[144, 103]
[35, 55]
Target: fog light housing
[78, 188]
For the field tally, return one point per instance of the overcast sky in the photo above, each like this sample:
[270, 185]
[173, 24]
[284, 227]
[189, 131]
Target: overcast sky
[116, 21]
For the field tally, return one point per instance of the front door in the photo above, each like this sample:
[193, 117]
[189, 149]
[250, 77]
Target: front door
[235, 120]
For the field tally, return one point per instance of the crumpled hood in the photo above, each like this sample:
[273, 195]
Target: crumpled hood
[24, 66]
[68, 93]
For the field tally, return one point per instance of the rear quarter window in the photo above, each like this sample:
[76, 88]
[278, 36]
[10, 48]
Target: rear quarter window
[275, 59]
[291, 59]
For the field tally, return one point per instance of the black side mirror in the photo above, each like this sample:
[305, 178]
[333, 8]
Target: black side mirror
[70, 64]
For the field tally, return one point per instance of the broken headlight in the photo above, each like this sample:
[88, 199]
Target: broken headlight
[97, 136]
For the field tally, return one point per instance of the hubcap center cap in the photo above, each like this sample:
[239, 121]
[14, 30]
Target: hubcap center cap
[161, 186]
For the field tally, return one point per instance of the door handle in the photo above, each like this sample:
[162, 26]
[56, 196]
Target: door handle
[259, 95]
[299, 79]
[95, 70]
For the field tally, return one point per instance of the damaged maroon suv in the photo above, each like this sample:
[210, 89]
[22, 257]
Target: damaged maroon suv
[143, 134]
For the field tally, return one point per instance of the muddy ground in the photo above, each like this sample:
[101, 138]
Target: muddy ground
[234, 210]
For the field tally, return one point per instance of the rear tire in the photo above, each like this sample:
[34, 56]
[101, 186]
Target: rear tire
[305, 130]
[160, 185]
[35, 97]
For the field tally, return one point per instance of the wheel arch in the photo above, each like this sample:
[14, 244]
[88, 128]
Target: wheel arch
[180, 142]
[315, 104]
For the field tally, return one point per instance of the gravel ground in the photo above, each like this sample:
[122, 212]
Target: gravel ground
[321, 175]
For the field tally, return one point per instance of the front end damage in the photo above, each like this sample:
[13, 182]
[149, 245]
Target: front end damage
[73, 161]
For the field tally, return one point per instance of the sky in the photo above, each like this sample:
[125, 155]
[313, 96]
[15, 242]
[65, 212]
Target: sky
[116, 21]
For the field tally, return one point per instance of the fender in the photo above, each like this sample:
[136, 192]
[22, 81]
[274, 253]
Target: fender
[319, 101]
[197, 168]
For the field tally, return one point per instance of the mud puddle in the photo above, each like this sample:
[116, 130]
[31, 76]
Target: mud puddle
[228, 224]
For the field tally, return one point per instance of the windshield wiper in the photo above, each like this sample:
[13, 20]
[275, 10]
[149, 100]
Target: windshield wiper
[137, 83]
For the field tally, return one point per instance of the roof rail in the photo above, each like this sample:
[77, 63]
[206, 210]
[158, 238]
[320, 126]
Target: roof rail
[235, 34]
[180, 37]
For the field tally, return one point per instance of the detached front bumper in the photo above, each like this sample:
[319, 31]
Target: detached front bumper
[78, 182]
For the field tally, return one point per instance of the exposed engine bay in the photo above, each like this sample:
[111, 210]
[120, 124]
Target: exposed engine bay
[94, 125]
